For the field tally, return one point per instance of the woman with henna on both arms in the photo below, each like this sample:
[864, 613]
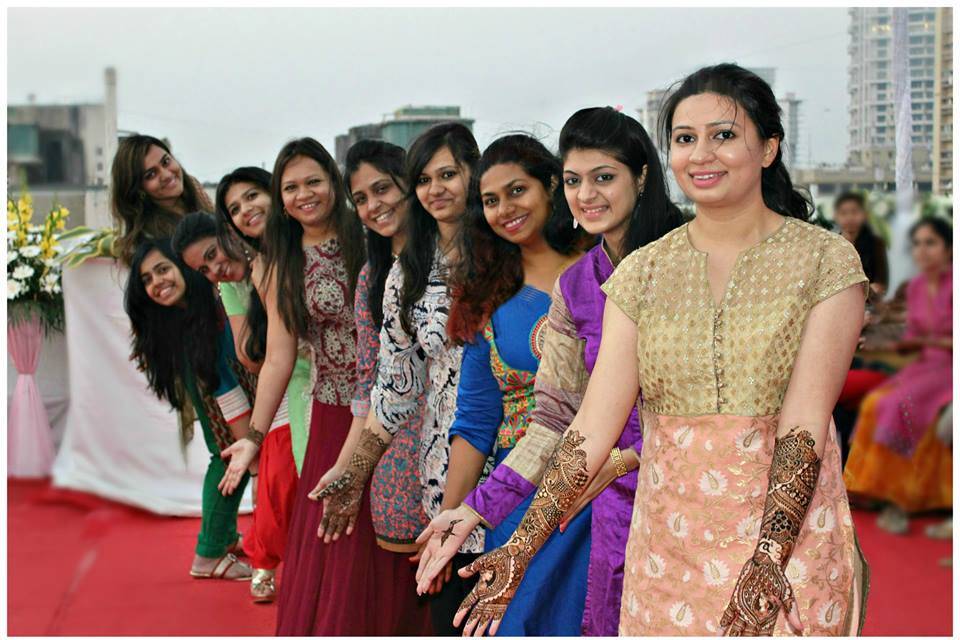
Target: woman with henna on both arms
[740, 327]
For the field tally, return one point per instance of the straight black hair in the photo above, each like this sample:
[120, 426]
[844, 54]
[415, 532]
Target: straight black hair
[418, 254]
[386, 158]
[256, 176]
[608, 130]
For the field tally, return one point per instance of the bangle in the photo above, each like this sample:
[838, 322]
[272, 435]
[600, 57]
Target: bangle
[254, 436]
[618, 463]
[483, 520]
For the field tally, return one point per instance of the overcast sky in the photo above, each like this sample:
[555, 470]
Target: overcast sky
[229, 86]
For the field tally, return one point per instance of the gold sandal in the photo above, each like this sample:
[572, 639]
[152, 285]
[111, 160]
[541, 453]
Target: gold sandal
[219, 570]
[263, 588]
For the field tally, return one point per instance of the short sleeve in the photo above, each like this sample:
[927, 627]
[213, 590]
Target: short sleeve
[235, 297]
[624, 285]
[839, 268]
[479, 400]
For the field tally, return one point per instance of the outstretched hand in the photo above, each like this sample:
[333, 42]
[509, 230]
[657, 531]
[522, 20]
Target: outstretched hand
[501, 572]
[441, 540]
[241, 454]
[341, 493]
[761, 591]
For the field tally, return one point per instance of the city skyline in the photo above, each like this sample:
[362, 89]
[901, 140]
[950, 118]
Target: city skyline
[237, 102]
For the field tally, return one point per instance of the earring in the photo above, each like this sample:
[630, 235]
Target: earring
[576, 223]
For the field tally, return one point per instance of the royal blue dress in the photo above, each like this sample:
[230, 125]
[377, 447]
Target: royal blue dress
[494, 400]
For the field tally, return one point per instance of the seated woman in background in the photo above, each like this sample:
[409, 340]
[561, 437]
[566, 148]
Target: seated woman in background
[850, 214]
[896, 456]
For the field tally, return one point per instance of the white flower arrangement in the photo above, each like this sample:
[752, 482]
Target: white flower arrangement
[33, 271]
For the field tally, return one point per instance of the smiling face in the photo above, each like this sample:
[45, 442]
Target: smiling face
[207, 258]
[307, 192]
[716, 152]
[601, 191]
[162, 176]
[248, 205]
[380, 202]
[162, 279]
[442, 187]
[515, 204]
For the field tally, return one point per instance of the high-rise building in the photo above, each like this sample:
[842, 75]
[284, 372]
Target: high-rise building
[650, 112]
[943, 103]
[401, 129]
[870, 86]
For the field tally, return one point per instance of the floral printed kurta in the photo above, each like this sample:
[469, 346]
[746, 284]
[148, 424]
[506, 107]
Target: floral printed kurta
[411, 366]
[713, 380]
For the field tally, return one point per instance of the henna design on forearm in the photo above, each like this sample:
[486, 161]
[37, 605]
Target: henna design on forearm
[345, 492]
[501, 570]
[762, 587]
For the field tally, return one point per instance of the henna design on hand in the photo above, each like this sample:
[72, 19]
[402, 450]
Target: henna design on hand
[501, 570]
[762, 587]
[448, 532]
[346, 492]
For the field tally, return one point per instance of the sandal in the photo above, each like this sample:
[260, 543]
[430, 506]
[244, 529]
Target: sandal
[893, 520]
[222, 567]
[237, 547]
[263, 589]
[941, 530]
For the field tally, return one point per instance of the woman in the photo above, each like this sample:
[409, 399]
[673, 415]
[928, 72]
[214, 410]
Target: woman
[615, 187]
[518, 235]
[243, 203]
[149, 192]
[895, 455]
[374, 175]
[850, 214]
[739, 326]
[417, 365]
[199, 243]
[163, 298]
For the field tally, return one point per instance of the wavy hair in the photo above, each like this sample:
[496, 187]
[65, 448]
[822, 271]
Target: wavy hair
[749, 91]
[490, 270]
[135, 215]
[418, 254]
[168, 340]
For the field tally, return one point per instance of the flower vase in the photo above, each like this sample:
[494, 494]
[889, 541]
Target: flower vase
[30, 450]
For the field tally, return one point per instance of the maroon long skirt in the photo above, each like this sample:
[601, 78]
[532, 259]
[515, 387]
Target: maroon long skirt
[350, 587]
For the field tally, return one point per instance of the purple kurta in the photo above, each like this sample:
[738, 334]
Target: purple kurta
[923, 388]
[505, 489]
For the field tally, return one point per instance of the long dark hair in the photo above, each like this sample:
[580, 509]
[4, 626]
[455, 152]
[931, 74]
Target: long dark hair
[249, 175]
[167, 340]
[866, 240]
[234, 242]
[283, 235]
[135, 214]
[490, 269]
[749, 91]
[386, 158]
[418, 254]
[606, 129]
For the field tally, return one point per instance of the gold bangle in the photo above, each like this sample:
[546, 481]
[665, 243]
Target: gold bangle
[618, 463]
[483, 520]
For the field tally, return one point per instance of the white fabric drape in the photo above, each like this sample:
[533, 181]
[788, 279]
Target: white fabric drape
[120, 441]
[901, 265]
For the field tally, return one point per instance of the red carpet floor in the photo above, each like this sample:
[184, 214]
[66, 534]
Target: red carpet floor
[78, 565]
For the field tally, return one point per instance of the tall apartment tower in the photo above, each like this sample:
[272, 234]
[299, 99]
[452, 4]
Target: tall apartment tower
[943, 103]
[870, 86]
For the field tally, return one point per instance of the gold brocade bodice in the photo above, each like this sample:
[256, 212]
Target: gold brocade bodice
[696, 358]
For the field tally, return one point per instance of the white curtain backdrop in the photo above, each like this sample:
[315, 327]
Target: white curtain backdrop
[119, 442]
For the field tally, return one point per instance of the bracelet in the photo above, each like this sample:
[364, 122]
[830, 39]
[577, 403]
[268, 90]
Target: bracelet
[618, 463]
[483, 520]
[254, 436]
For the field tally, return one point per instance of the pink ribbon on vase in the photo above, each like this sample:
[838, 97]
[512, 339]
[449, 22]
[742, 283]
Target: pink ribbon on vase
[29, 443]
